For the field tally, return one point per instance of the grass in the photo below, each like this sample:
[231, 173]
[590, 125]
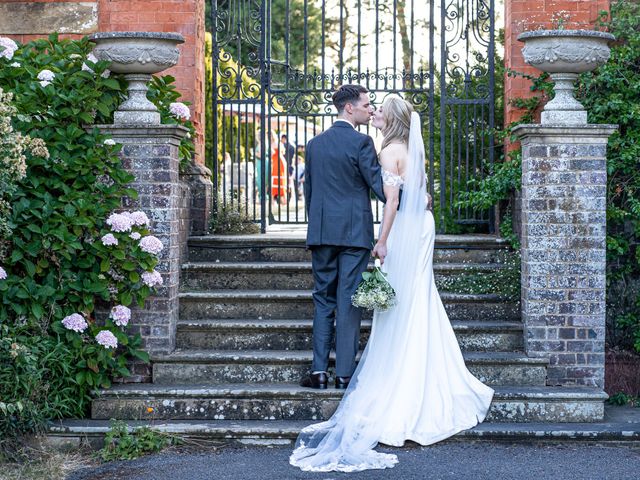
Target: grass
[41, 462]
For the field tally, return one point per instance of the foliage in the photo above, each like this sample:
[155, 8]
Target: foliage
[504, 281]
[162, 92]
[621, 399]
[231, 219]
[13, 146]
[611, 96]
[63, 260]
[299, 12]
[122, 443]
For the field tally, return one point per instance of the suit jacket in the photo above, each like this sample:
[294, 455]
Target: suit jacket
[341, 167]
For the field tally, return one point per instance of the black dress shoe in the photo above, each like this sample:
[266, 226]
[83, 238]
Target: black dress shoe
[342, 382]
[315, 380]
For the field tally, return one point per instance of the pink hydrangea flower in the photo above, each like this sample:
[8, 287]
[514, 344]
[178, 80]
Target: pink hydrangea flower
[151, 244]
[151, 279]
[140, 218]
[3, 274]
[121, 315]
[8, 48]
[107, 339]
[109, 240]
[75, 322]
[135, 235]
[119, 222]
[180, 111]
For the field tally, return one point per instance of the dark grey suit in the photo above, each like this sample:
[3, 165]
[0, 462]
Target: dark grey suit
[341, 167]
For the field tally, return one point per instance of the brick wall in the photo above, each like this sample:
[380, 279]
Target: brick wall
[183, 16]
[522, 15]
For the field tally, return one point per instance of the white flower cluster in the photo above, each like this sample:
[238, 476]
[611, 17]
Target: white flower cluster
[374, 292]
[180, 111]
[152, 278]
[7, 48]
[121, 315]
[46, 77]
[92, 58]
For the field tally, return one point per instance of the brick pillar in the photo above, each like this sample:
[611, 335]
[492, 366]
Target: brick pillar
[150, 153]
[522, 15]
[564, 249]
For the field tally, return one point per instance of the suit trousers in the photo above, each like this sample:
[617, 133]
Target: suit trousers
[337, 272]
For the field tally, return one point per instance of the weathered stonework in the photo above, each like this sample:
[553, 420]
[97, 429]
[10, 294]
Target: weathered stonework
[564, 249]
[18, 18]
[198, 178]
[151, 155]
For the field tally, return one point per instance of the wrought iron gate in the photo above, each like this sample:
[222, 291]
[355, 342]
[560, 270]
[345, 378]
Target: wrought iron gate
[276, 63]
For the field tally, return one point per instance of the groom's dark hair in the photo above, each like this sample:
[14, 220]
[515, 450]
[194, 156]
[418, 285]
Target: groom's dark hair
[347, 94]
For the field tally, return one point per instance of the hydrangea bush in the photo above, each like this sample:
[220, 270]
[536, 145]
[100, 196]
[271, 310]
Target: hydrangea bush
[72, 250]
[13, 148]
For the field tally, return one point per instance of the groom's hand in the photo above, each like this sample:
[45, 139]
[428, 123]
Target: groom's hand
[380, 251]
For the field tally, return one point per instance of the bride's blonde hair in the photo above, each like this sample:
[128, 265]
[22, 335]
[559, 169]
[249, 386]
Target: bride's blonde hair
[397, 116]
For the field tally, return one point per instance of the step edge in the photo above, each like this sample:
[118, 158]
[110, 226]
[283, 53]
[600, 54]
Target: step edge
[285, 324]
[502, 393]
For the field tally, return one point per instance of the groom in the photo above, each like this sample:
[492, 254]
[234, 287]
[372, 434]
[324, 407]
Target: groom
[341, 169]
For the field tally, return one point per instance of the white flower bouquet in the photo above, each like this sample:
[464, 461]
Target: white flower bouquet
[374, 292]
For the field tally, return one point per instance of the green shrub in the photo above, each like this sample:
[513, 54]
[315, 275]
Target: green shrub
[122, 443]
[231, 219]
[611, 96]
[68, 255]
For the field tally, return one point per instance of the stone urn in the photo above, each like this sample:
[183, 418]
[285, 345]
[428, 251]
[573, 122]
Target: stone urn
[137, 55]
[565, 54]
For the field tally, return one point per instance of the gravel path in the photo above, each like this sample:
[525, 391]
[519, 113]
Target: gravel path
[458, 461]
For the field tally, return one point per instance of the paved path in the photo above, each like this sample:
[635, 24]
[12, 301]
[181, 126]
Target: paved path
[453, 460]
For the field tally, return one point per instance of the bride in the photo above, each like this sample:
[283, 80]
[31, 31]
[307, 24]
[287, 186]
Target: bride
[411, 382]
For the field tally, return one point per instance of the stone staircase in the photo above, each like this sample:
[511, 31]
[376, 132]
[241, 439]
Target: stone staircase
[244, 340]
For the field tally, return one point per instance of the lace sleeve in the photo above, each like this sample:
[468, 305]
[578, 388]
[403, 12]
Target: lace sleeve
[391, 179]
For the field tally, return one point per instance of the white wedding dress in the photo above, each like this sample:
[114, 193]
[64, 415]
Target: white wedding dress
[411, 382]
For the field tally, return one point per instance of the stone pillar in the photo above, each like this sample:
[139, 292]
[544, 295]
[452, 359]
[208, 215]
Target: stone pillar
[198, 178]
[564, 249]
[150, 153]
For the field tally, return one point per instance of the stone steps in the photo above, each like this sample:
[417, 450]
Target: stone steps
[267, 366]
[273, 248]
[293, 334]
[290, 402]
[273, 304]
[286, 275]
[284, 432]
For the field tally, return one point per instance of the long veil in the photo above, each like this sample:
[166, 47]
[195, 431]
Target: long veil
[371, 407]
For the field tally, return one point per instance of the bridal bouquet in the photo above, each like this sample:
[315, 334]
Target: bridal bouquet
[374, 292]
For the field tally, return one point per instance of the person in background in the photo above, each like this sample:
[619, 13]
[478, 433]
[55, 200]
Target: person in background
[298, 174]
[279, 171]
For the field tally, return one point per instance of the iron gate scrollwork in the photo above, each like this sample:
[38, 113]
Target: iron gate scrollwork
[276, 63]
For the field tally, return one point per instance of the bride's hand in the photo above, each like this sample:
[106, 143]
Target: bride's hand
[380, 251]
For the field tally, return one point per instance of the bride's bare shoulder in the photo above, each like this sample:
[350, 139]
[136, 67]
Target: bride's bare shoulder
[393, 157]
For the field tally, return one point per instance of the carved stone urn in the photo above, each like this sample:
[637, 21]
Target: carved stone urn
[137, 55]
[565, 54]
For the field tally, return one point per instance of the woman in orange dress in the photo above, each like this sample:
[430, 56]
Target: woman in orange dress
[278, 173]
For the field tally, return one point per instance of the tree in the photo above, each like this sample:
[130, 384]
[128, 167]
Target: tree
[286, 21]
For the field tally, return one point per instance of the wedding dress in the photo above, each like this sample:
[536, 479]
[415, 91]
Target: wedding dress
[411, 382]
